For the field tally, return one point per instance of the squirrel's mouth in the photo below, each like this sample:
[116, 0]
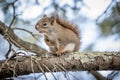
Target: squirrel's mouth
[42, 31]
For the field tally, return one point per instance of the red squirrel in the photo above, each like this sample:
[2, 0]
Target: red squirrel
[60, 34]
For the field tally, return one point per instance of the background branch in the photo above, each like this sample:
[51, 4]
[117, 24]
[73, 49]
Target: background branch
[23, 45]
[105, 10]
[97, 75]
[33, 35]
[14, 14]
[9, 50]
[112, 75]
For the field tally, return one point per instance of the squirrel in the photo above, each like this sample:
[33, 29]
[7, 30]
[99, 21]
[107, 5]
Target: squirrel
[60, 34]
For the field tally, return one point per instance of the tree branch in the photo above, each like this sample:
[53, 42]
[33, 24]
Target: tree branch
[9, 35]
[33, 35]
[97, 75]
[73, 62]
[105, 10]
[14, 14]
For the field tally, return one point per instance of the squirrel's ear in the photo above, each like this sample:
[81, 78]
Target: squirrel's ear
[52, 20]
[45, 16]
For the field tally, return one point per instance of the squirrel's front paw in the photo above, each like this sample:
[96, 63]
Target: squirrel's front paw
[60, 52]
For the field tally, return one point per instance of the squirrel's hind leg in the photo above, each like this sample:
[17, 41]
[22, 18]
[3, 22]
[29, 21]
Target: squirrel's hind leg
[68, 48]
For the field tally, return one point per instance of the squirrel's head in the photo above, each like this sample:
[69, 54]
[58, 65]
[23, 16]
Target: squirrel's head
[45, 24]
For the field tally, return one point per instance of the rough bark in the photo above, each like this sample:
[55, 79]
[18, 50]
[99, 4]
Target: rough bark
[73, 62]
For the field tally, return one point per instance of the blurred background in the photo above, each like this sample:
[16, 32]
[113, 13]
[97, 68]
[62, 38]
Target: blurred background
[98, 21]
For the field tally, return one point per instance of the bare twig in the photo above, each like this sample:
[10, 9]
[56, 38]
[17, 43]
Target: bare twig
[66, 75]
[73, 76]
[14, 71]
[109, 6]
[118, 7]
[50, 71]
[59, 65]
[56, 67]
[32, 67]
[9, 50]
[33, 35]
[14, 13]
[112, 75]
[97, 75]
[43, 72]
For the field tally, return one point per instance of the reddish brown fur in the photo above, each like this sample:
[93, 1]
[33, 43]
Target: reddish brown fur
[68, 25]
[60, 34]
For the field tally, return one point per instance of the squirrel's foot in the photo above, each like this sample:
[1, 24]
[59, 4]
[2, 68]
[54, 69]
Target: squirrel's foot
[60, 52]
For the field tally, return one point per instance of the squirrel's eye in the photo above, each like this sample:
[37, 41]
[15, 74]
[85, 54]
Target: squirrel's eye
[44, 24]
